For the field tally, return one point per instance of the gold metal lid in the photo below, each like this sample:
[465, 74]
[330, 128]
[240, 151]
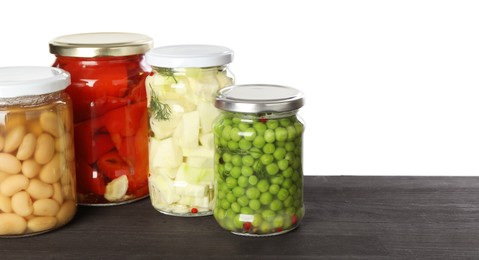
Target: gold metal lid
[88, 45]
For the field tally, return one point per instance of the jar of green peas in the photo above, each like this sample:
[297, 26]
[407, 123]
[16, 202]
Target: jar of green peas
[258, 159]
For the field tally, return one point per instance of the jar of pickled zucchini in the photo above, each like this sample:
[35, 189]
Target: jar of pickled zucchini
[37, 164]
[108, 73]
[258, 160]
[181, 92]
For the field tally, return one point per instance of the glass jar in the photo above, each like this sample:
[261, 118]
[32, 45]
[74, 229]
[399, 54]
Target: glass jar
[181, 93]
[110, 114]
[258, 160]
[37, 164]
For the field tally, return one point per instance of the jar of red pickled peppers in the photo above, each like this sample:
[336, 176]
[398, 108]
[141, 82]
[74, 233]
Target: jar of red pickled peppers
[107, 88]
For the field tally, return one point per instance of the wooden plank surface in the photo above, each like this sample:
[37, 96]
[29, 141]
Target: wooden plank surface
[346, 218]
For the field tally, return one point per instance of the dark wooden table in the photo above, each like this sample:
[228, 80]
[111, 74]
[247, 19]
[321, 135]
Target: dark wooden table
[346, 218]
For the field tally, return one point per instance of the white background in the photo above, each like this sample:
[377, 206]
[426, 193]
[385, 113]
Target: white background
[392, 87]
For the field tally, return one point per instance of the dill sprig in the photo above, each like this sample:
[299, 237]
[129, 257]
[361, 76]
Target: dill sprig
[168, 72]
[160, 110]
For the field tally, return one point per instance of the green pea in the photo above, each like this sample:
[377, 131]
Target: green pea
[272, 168]
[243, 126]
[282, 194]
[226, 133]
[296, 176]
[299, 127]
[236, 120]
[265, 198]
[287, 183]
[235, 134]
[253, 180]
[273, 189]
[278, 222]
[253, 193]
[278, 179]
[235, 207]
[243, 201]
[296, 164]
[226, 157]
[290, 146]
[243, 181]
[266, 159]
[225, 204]
[221, 194]
[265, 227]
[272, 124]
[283, 164]
[269, 136]
[238, 224]
[227, 121]
[228, 167]
[268, 148]
[221, 169]
[279, 153]
[255, 152]
[268, 215]
[291, 132]
[244, 144]
[257, 219]
[259, 141]
[284, 122]
[276, 205]
[249, 134]
[254, 204]
[288, 202]
[292, 189]
[219, 213]
[236, 160]
[280, 144]
[263, 185]
[287, 173]
[246, 210]
[259, 127]
[290, 211]
[247, 171]
[231, 182]
[281, 134]
[230, 197]
[233, 145]
[247, 160]
[223, 142]
[238, 191]
[235, 172]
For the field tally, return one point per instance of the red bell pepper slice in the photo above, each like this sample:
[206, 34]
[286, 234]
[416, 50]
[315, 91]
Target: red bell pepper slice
[112, 165]
[125, 120]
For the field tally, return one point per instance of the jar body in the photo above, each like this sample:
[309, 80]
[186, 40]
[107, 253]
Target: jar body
[258, 172]
[181, 113]
[111, 136]
[37, 168]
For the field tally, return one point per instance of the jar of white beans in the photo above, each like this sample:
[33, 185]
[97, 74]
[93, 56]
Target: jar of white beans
[37, 166]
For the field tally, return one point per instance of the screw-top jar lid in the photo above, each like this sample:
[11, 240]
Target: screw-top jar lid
[89, 45]
[189, 56]
[260, 98]
[30, 81]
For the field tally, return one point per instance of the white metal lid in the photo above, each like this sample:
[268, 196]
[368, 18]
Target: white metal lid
[259, 98]
[30, 81]
[189, 56]
[88, 45]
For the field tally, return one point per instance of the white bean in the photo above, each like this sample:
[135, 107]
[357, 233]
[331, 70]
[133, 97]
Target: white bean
[63, 142]
[13, 184]
[39, 190]
[68, 192]
[38, 224]
[22, 204]
[27, 147]
[51, 172]
[3, 176]
[51, 123]
[45, 207]
[45, 148]
[57, 193]
[66, 212]
[5, 204]
[14, 138]
[12, 224]
[30, 168]
[9, 163]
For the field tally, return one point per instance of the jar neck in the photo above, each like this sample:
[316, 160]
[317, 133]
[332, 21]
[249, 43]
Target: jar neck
[185, 71]
[31, 101]
[139, 58]
[266, 115]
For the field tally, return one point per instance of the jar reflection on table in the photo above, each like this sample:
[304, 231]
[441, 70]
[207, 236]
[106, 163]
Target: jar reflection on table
[37, 160]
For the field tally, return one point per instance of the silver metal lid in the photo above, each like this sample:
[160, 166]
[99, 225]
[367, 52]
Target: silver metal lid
[259, 98]
[89, 45]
